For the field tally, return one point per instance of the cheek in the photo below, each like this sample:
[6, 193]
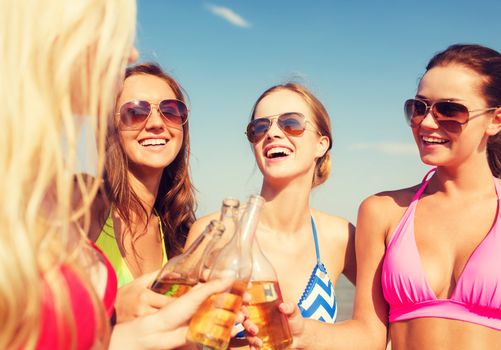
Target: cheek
[180, 143]
[128, 142]
[306, 149]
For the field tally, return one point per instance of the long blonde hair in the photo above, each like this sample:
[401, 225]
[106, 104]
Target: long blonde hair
[61, 61]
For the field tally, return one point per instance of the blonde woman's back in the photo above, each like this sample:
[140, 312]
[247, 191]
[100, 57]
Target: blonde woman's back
[47, 51]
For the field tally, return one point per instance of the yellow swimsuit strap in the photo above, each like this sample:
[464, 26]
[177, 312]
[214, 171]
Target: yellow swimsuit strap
[108, 244]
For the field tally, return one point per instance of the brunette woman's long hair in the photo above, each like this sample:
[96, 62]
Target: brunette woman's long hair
[175, 202]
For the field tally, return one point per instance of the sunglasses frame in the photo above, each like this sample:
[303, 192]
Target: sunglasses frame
[276, 117]
[152, 105]
[439, 116]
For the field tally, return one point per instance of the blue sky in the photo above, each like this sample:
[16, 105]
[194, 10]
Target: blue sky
[362, 59]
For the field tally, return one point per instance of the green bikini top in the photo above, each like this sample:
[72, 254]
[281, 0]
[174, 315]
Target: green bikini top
[108, 244]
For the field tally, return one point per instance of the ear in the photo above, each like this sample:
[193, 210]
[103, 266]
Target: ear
[323, 146]
[495, 123]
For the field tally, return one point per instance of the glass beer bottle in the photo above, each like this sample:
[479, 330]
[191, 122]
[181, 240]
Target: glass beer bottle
[229, 218]
[182, 272]
[212, 323]
[263, 309]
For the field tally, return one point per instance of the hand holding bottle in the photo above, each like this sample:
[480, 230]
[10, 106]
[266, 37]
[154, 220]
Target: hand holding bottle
[135, 299]
[166, 328]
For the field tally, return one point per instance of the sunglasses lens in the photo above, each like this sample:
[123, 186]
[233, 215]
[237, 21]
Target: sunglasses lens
[415, 111]
[134, 113]
[450, 115]
[174, 111]
[292, 124]
[450, 110]
[257, 129]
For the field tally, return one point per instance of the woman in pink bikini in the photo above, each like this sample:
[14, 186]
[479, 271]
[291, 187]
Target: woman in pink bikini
[429, 256]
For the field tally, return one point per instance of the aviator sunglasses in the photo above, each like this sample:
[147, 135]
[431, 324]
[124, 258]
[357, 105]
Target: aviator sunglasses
[133, 114]
[292, 124]
[449, 115]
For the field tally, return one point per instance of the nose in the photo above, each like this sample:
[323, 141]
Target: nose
[274, 130]
[155, 120]
[429, 120]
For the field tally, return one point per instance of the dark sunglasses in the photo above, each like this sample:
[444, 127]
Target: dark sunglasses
[292, 124]
[448, 114]
[133, 114]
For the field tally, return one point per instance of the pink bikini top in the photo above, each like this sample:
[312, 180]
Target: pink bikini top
[477, 295]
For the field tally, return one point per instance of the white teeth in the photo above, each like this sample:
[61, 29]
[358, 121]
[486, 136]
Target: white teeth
[153, 142]
[430, 139]
[276, 151]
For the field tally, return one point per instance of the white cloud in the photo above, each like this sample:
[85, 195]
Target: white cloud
[229, 15]
[388, 147]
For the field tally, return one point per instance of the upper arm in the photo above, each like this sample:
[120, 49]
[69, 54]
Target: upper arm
[370, 306]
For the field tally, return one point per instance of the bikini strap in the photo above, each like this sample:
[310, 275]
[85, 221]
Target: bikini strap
[424, 183]
[314, 229]
[162, 237]
[425, 177]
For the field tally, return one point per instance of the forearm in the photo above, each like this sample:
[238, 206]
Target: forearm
[347, 335]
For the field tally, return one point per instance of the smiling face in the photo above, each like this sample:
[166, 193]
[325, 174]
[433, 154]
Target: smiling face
[438, 146]
[282, 157]
[157, 143]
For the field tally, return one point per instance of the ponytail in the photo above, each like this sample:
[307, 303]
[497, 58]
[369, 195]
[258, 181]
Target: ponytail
[323, 170]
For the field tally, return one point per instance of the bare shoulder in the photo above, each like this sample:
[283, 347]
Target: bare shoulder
[383, 210]
[335, 230]
[332, 225]
[390, 199]
[198, 227]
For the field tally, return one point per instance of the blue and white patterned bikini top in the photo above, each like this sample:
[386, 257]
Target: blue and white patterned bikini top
[318, 301]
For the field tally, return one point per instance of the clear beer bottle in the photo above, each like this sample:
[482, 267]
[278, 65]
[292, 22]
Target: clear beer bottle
[212, 323]
[229, 218]
[263, 309]
[182, 272]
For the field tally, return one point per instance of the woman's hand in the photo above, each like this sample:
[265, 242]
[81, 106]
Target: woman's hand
[167, 328]
[136, 299]
[296, 323]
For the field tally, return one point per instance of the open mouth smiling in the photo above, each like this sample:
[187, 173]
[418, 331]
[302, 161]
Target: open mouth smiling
[430, 140]
[277, 152]
[153, 142]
